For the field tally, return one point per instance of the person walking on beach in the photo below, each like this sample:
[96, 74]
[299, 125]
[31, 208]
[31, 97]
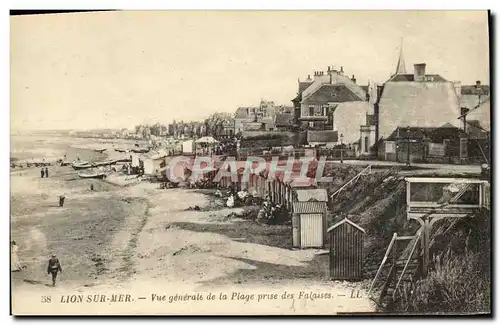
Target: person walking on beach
[46, 172]
[14, 258]
[91, 186]
[61, 200]
[42, 173]
[53, 268]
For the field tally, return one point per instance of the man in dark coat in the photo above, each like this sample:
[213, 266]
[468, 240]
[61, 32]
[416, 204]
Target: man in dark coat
[61, 200]
[53, 268]
[42, 173]
[46, 172]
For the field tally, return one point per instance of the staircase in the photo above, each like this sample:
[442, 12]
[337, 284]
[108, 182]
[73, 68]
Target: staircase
[403, 268]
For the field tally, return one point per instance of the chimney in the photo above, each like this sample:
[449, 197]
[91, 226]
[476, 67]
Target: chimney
[458, 88]
[309, 77]
[341, 71]
[353, 79]
[419, 72]
[328, 68]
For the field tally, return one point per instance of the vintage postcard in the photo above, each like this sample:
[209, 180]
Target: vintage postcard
[250, 163]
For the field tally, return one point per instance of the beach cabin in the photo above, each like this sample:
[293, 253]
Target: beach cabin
[308, 224]
[135, 159]
[153, 162]
[346, 250]
[188, 147]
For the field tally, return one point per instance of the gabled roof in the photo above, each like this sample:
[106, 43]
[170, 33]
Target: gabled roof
[417, 104]
[331, 94]
[411, 77]
[333, 78]
[303, 85]
[415, 133]
[345, 221]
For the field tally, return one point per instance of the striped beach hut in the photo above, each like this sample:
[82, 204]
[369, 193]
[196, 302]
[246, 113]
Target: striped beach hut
[346, 250]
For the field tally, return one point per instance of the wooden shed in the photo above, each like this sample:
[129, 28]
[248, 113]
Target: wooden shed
[346, 250]
[309, 224]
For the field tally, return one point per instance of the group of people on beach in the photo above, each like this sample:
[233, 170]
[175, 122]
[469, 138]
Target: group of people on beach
[53, 268]
[44, 172]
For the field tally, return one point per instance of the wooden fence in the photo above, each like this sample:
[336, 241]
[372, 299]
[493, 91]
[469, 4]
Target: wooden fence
[277, 191]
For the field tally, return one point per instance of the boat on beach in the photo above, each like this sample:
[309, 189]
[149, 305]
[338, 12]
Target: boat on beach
[121, 150]
[141, 150]
[99, 175]
[105, 163]
[123, 160]
[81, 165]
[100, 150]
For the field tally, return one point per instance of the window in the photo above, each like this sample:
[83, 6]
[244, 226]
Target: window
[366, 144]
[311, 110]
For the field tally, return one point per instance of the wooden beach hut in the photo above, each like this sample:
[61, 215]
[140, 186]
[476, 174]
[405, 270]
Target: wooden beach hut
[346, 250]
[309, 224]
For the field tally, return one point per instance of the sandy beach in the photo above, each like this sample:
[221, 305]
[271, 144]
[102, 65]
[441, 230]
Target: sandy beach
[142, 240]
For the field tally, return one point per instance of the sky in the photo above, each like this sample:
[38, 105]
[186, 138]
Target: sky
[119, 69]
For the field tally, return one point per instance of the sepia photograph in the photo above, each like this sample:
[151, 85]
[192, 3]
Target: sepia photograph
[218, 163]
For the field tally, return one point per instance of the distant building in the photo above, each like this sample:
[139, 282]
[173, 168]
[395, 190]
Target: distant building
[284, 121]
[125, 133]
[228, 129]
[170, 129]
[419, 100]
[331, 102]
[476, 99]
[264, 115]
[422, 144]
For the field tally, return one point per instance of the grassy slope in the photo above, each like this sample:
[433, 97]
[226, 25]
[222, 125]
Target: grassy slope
[459, 277]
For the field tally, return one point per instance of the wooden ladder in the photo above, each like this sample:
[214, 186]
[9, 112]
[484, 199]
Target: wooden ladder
[404, 267]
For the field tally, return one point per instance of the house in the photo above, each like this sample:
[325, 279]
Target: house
[283, 121]
[418, 100]
[227, 129]
[476, 100]
[332, 102]
[264, 114]
[426, 144]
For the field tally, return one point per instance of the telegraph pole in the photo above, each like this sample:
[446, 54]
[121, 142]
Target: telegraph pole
[341, 148]
[409, 143]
